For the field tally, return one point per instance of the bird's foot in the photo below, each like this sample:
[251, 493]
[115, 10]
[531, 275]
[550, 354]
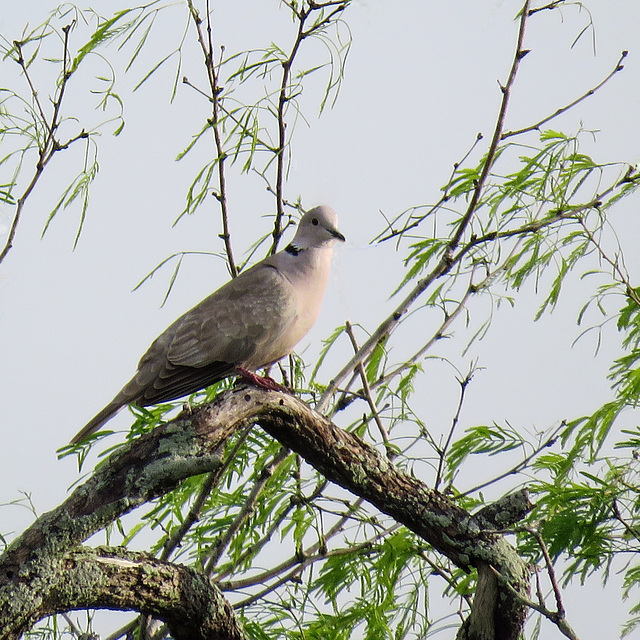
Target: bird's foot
[265, 382]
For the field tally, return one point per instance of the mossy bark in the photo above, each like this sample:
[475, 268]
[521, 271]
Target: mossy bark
[45, 571]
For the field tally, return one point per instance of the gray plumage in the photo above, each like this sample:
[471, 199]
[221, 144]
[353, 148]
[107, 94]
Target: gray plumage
[251, 322]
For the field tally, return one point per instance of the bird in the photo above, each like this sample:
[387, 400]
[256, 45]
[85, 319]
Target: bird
[248, 324]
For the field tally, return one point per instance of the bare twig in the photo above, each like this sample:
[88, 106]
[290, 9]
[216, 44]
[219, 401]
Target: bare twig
[50, 146]
[393, 232]
[442, 451]
[123, 631]
[302, 14]
[448, 259]
[72, 626]
[253, 549]
[550, 570]
[369, 397]
[560, 622]
[534, 127]
[520, 53]
[315, 551]
[547, 7]
[206, 44]
[283, 99]
[558, 617]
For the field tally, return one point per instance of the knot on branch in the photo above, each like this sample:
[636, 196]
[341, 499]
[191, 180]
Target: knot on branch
[506, 511]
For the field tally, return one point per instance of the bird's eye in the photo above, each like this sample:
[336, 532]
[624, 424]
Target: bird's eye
[314, 222]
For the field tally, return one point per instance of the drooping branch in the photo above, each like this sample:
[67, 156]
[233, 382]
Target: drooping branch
[345, 459]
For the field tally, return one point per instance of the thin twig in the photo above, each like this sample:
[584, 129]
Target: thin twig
[551, 5]
[558, 617]
[123, 631]
[210, 481]
[448, 260]
[50, 146]
[311, 551]
[449, 318]
[632, 531]
[497, 133]
[392, 232]
[72, 626]
[299, 565]
[283, 98]
[247, 509]
[255, 548]
[302, 13]
[549, 442]
[369, 397]
[438, 335]
[206, 44]
[559, 621]
[439, 571]
[535, 127]
[550, 570]
[568, 213]
[624, 279]
[442, 451]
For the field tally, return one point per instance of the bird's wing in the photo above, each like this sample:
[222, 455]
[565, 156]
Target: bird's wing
[234, 324]
[241, 324]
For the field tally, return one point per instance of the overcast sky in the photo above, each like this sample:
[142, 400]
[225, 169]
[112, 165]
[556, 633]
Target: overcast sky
[421, 82]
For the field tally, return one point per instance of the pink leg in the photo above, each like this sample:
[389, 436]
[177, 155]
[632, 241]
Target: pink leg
[265, 382]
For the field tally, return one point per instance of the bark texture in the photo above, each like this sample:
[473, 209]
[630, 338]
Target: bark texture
[45, 571]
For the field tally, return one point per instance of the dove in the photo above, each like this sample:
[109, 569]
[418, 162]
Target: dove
[251, 322]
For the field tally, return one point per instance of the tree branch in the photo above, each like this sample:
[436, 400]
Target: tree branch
[115, 578]
[50, 146]
[448, 258]
[156, 462]
[206, 45]
[301, 14]
[534, 127]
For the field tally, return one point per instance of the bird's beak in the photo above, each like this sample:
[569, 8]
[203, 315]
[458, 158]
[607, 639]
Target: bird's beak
[337, 235]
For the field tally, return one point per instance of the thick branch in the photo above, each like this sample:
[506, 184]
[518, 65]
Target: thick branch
[135, 474]
[114, 578]
[138, 472]
[156, 462]
[345, 459]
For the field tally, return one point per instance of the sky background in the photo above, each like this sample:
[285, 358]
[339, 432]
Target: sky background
[421, 81]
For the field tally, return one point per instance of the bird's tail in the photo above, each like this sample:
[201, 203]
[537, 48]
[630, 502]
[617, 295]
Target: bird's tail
[95, 423]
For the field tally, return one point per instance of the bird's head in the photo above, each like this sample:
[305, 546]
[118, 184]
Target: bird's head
[317, 228]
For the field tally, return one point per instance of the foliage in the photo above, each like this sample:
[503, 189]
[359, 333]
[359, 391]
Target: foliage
[531, 209]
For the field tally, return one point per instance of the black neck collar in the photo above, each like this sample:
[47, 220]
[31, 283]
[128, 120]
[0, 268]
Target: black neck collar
[293, 250]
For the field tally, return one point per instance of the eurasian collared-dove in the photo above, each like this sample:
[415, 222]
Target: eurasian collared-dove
[249, 323]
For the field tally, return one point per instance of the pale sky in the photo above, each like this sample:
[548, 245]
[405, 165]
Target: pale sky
[421, 82]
